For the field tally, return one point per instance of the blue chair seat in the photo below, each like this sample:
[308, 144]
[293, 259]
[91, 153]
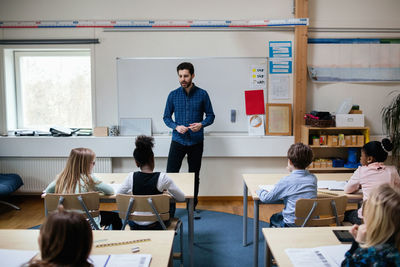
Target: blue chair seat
[9, 183]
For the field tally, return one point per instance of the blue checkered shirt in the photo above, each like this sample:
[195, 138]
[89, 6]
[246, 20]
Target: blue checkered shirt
[187, 109]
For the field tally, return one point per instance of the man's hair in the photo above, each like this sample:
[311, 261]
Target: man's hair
[185, 66]
[300, 155]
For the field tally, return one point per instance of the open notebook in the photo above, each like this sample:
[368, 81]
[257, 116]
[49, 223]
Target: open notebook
[332, 185]
[16, 258]
[327, 256]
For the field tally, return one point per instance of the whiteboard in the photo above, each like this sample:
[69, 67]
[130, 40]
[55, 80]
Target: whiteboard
[144, 85]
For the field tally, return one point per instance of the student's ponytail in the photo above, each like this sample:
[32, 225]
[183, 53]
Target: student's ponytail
[143, 152]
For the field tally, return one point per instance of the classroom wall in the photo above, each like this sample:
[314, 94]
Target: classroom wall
[217, 172]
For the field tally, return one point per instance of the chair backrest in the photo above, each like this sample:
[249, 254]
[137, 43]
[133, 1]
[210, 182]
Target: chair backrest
[158, 205]
[85, 203]
[320, 211]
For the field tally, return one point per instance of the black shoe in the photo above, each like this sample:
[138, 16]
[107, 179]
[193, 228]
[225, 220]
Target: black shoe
[197, 215]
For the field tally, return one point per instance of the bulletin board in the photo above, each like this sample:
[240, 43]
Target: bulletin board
[144, 85]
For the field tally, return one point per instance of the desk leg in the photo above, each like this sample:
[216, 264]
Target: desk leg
[245, 193]
[255, 237]
[268, 255]
[191, 230]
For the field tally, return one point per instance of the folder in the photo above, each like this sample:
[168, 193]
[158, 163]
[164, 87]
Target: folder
[254, 102]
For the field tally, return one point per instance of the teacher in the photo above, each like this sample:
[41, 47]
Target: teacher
[189, 103]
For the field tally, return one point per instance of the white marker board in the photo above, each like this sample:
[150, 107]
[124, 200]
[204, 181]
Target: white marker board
[144, 85]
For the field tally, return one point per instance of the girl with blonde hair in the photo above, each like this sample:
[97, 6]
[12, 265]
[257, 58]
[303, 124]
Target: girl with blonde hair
[77, 178]
[377, 241]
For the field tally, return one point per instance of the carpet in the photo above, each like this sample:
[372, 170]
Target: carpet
[218, 239]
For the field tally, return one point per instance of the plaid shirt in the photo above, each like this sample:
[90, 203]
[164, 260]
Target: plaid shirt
[187, 109]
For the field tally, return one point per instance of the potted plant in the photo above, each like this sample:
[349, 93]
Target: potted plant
[391, 125]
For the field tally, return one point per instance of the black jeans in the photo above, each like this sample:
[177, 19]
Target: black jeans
[194, 154]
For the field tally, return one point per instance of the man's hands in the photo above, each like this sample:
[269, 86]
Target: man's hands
[194, 127]
[359, 232]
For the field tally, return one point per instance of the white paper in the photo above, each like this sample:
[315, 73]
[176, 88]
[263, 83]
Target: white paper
[332, 185]
[266, 187]
[327, 256]
[15, 258]
[258, 77]
[256, 124]
[121, 260]
[279, 87]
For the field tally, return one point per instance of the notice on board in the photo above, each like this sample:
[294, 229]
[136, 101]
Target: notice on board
[258, 77]
[280, 56]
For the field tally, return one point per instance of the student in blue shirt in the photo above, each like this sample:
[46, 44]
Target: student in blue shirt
[299, 184]
[188, 103]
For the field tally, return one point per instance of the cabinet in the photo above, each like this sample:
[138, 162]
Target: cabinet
[323, 150]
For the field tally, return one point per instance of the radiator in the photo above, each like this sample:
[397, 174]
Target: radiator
[37, 173]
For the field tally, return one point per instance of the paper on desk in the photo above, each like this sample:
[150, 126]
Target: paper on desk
[327, 256]
[121, 260]
[332, 184]
[13, 257]
[115, 187]
[266, 187]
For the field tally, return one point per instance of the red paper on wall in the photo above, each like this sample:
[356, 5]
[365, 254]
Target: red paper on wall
[254, 102]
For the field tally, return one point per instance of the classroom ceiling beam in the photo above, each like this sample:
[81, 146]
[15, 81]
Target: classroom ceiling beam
[300, 69]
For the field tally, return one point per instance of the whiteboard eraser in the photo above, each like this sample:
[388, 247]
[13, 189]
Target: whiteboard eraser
[233, 115]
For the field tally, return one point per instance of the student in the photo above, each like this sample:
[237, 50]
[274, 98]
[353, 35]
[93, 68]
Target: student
[371, 174]
[299, 184]
[77, 178]
[377, 241]
[147, 182]
[65, 240]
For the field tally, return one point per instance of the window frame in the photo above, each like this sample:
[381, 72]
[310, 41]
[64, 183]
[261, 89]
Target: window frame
[16, 54]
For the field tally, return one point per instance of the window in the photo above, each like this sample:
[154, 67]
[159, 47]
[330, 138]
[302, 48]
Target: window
[53, 88]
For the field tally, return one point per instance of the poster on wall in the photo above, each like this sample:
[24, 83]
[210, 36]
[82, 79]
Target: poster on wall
[280, 57]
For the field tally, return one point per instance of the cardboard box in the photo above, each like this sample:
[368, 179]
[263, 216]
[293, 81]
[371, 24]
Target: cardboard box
[353, 111]
[350, 120]
[100, 131]
[347, 139]
[360, 140]
[332, 140]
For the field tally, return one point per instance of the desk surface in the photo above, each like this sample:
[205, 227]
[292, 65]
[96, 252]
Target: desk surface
[185, 181]
[279, 239]
[159, 247]
[254, 180]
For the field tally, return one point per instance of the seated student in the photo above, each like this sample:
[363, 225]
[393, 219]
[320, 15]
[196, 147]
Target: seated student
[77, 178]
[371, 174]
[147, 182]
[377, 241]
[299, 184]
[65, 240]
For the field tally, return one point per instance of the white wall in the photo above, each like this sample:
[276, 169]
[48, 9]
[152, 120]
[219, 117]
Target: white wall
[216, 173]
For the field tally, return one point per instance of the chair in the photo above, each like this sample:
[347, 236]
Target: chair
[321, 211]
[158, 205]
[9, 183]
[86, 203]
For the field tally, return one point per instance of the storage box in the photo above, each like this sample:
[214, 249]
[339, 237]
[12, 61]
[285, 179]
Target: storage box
[332, 140]
[350, 120]
[100, 131]
[360, 140]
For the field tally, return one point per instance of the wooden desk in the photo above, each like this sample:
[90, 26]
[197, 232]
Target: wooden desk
[251, 184]
[185, 181]
[279, 239]
[160, 246]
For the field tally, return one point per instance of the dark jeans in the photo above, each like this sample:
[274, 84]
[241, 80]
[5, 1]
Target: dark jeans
[276, 220]
[352, 216]
[110, 218]
[194, 153]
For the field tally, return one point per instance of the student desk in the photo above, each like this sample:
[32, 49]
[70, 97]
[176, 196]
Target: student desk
[160, 245]
[251, 184]
[279, 239]
[185, 181]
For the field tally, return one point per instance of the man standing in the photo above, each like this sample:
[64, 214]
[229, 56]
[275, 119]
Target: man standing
[189, 103]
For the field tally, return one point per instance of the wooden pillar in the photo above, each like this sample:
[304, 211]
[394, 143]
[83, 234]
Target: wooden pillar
[300, 69]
